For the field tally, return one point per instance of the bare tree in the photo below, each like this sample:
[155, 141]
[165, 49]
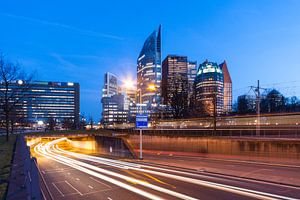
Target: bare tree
[13, 86]
[68, 124]
[179, 98]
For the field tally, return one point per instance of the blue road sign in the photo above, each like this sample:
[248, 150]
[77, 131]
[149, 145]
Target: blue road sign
[141, 121]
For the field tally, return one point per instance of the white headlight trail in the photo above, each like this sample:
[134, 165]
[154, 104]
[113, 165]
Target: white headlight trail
[227, 188]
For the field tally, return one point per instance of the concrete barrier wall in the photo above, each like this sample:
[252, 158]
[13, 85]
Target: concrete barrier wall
[112, 146]
[277, 148]
[24, 181]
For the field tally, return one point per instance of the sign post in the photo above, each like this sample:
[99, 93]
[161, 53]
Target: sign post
[140, 123]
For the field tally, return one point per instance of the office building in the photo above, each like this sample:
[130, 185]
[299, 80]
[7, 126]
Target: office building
[111, 86]
[174, 77]
[115, 101]
[40, 101]
[149, 71]
[227, 107]
[113, 111]
[209, 89]
[191, 73]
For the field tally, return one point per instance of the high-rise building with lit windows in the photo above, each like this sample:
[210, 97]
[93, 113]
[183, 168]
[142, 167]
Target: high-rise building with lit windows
[174, 77]
[149, 71]
[41, 101]
[191, 73]
[227, 107]
[209, 88]
[111, 86]
[115, 105]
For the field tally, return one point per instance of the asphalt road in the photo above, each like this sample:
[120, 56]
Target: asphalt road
[285, 173]
[71, 175]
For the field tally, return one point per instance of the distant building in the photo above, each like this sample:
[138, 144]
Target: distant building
[130, 103]
[113, 111]
[42, 101]
[227, 107]
[209, 88]
[174, 77]
[111, 86]
[191, 73]
[149, 70]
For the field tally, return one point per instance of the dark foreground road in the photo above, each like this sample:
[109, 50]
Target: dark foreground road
[71, 175]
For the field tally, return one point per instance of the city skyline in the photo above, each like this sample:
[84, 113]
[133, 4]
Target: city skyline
[253, 37]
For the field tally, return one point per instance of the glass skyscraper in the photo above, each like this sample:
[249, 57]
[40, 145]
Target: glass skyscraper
[149, 71]
[227, 88]
[209, 86]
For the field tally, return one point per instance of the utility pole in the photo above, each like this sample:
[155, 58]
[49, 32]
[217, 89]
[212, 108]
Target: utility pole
[258, 109]
[256, 90]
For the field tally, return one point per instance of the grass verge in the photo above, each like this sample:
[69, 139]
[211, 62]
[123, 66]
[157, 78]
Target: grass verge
[6, 153]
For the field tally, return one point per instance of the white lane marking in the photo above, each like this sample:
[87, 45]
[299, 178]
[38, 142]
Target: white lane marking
[62, 194]
[108, 198]
[57, 169]
[43, 172]
[73, 188]
[96, 191]
[249, 180]
[90, 187]
[77, 179]
[101, 182]
[255, 171]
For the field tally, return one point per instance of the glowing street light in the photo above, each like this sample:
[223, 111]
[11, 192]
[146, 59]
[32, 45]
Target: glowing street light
[128, 84]
[152, 87]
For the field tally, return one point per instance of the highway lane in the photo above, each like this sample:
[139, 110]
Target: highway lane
[77, 176]
[283, 173]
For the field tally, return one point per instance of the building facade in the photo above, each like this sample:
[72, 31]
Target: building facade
[227, 107]
[191, 74]
[111, 86]
[149, 71]
[209, 89]
[39, 101]
[115, 102]
[113, 111]
[174, 77]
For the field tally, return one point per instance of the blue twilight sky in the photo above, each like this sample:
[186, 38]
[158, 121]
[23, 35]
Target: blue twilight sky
[80, 40]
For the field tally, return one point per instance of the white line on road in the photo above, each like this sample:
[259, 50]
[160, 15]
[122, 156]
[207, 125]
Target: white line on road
[90, 187]
[98, 181]
[62, 194]
[73, 188]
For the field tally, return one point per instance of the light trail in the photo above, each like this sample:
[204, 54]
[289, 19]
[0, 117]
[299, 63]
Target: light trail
[39, 149]
[71, 162]
[228, 188]
[52, 151]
